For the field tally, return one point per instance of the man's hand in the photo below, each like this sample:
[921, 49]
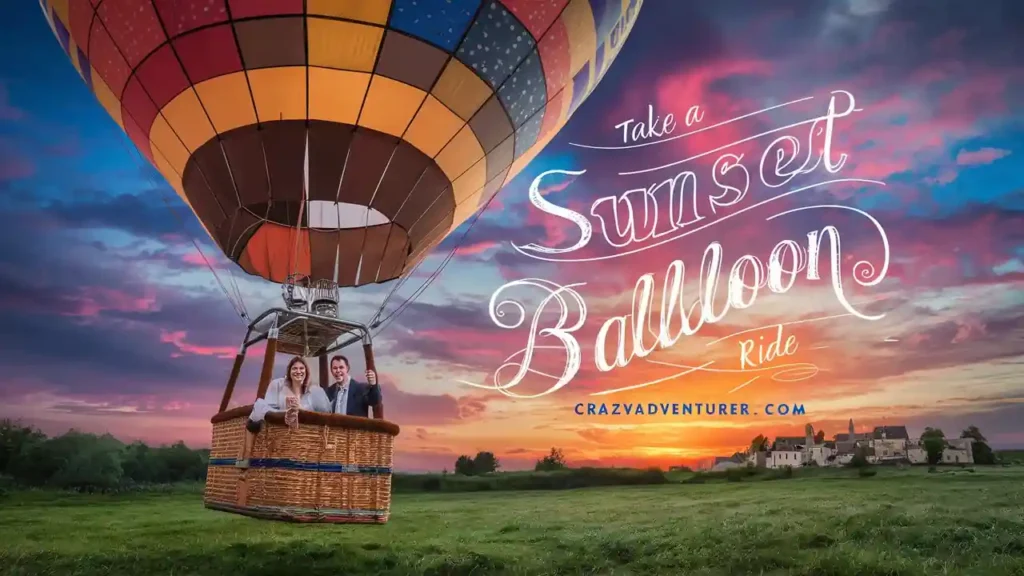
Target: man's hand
[371, 377]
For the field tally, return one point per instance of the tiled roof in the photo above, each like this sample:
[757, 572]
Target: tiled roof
[891, 432]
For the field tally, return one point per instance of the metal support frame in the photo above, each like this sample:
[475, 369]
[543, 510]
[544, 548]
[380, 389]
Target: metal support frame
[236, 368]
[362, 329]
[361, 332]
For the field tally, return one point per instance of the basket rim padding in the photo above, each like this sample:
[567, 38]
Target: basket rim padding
[316, 419]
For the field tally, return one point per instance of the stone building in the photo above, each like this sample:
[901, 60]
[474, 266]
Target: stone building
[884, 444]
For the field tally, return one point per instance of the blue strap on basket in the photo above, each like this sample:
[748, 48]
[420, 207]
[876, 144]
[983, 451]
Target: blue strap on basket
[289, 464]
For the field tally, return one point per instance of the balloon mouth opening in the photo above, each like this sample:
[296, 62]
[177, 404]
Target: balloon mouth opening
[327, 215]
[322, 215]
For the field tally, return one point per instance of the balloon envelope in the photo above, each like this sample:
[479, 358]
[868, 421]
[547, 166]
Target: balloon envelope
[340, 139]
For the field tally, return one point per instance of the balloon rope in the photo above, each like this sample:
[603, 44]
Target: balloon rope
[401, 308]
[405, 277]
[239, 309]
[302, 208]
[270, 203]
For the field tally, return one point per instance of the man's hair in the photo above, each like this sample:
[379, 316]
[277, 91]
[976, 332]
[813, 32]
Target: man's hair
[343, 359]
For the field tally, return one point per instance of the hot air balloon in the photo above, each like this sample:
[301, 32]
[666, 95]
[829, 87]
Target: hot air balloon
[325, 144]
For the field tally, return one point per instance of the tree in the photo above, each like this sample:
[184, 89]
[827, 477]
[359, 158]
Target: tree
[973, 432]
[95, 466]
[89, 462]
[143, 464]
[979, 447]
[860, 458]
[934, 445]
[759, 444]
[464, 466]
[982, 453]
[553, 461]
[819, 438]
[13, 436]
[182, 463]
[485, 462]
[932, 433]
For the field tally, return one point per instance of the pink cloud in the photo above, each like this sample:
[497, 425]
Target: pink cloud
[918, 338]
[194, 258]
[13, 164]
[16, 168]
[179, 340]
[8, 112]
[695, 87]
[91, 301]
[412, 409]
[945, 176]
[477, 247]
[982, 156]
[968, 329]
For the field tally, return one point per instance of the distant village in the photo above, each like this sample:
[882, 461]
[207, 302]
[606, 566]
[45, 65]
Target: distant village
[883, 445]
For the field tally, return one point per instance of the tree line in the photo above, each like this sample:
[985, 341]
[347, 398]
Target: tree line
[487, 462]
[90, 462]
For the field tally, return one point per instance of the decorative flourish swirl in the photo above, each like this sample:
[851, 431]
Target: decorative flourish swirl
[574, 356]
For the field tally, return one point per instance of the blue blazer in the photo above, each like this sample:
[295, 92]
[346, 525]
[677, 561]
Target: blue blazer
[361, 397]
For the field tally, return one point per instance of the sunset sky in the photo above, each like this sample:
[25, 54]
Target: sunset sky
[112, 322]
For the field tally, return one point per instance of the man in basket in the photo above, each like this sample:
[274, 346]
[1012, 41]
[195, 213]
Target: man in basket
[351, 397]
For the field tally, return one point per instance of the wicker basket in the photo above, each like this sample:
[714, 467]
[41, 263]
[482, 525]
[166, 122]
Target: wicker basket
[331, 468]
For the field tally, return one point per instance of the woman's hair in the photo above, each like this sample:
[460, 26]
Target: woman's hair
[288, 372]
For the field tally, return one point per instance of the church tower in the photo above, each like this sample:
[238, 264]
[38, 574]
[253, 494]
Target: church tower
[852, 435]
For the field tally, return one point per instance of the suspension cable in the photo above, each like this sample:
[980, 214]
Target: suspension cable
[401, 308]
[239, 306]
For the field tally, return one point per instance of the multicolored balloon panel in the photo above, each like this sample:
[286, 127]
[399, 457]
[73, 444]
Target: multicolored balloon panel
[340, 139]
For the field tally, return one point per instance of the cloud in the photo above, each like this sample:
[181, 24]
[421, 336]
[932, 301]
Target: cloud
[143, 215]
[179, 340]
[14, 164]
[9, 112]
[981, 156]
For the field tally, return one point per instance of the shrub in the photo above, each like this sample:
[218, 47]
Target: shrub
[738, 474]
[555, 480]
[859, 460]
[87, 462]
[934, 446]
[553, 461]
[94, 466]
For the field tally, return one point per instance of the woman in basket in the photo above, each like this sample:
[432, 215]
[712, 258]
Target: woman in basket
[289, 395]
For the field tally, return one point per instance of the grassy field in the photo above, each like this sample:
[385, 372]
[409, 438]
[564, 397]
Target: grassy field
[898, 522]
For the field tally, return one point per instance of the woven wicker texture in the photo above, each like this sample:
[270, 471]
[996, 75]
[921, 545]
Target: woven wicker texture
[314, 473]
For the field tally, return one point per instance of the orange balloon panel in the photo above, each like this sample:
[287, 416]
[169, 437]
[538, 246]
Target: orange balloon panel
[342, 139]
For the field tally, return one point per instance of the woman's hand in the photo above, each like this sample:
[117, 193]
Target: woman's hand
[291, 414]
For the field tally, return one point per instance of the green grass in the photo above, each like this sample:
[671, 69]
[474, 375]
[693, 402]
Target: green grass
[898, 522]
[1011, 456]
[550, 480]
